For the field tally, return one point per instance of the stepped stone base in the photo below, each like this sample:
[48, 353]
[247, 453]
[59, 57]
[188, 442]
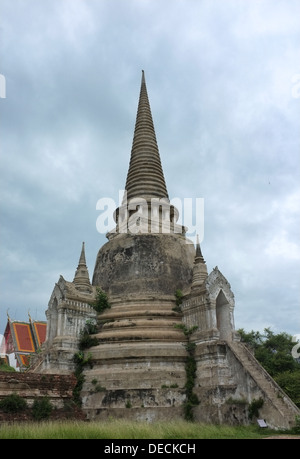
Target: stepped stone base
[136, 380]
[138, 367]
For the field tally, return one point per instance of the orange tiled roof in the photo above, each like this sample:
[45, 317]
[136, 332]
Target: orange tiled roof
[39, 330]
[23, 337]
[23, 360]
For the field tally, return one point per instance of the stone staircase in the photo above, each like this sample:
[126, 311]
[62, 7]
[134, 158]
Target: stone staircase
[276, 398]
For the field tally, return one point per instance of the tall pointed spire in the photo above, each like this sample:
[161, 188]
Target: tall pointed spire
[199, 257]
[82, 278]
[145, 176]
[200, 269]
[145, 207]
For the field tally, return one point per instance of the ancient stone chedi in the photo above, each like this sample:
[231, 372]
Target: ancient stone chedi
[157, 355]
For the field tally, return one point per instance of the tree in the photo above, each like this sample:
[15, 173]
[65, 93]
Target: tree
[290, 383]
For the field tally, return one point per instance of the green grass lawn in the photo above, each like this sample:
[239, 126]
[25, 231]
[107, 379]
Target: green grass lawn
[121, 429]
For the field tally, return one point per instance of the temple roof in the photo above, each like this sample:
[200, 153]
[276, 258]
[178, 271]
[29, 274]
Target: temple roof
[23, 339]
[145, 176]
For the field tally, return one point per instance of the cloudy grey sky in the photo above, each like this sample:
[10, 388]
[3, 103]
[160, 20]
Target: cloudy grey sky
[223, 81]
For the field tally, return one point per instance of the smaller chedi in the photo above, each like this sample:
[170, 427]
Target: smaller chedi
[167, 347]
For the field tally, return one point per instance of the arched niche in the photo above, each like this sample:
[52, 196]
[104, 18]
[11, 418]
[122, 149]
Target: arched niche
[223, 316]
[221, 296]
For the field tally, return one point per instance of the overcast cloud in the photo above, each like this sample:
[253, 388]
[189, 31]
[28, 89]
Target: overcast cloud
[223, 82]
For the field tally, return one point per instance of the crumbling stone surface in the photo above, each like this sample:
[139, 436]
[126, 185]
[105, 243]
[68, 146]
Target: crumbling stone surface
[144, 264]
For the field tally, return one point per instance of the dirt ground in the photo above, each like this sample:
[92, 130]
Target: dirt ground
[283, 437]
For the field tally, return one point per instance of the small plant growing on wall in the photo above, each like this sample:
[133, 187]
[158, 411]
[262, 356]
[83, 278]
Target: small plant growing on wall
[178, 301]
[186, 331]
[254, 407]
[101, 302]
[80, 361]
[86, 340]
[190, 370]
[191, 397]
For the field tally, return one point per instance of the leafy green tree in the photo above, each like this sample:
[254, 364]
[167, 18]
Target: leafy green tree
[290, 383]
[253, 339]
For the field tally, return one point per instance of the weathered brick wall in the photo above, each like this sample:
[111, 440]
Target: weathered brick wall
[58, 388]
